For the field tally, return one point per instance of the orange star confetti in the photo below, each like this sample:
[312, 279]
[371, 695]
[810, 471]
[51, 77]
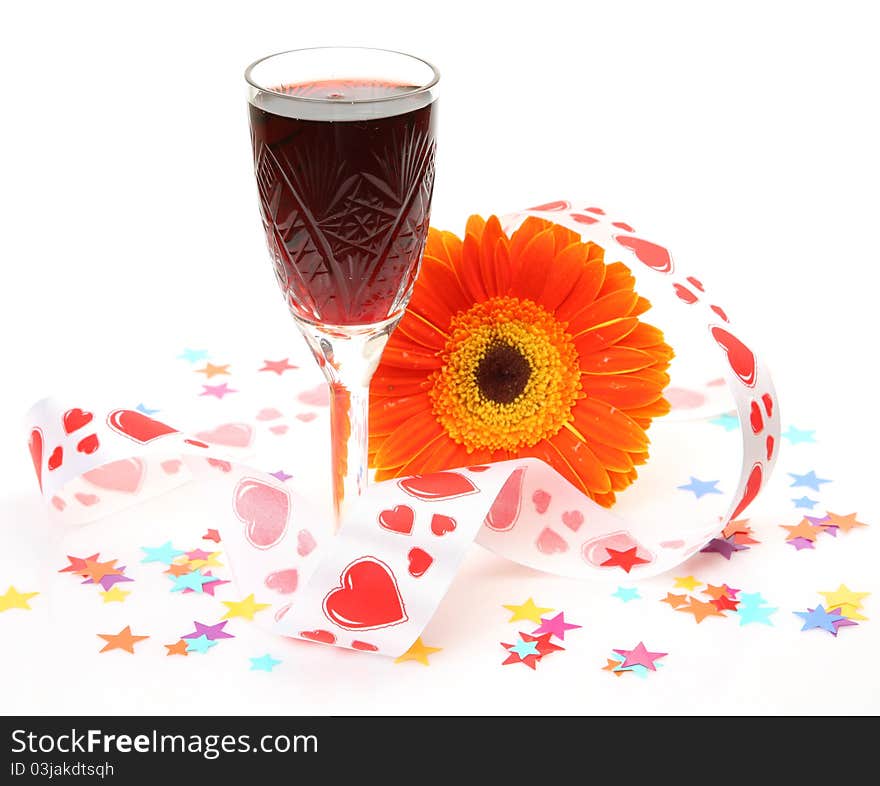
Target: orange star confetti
[124, 640]
[675, 600]
[844, 523]
[97, 570]
[803, 529]
[210, 370]
[178, 648]
[700, 609]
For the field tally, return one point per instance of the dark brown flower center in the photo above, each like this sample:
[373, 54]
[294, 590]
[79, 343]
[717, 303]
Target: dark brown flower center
[503, 373]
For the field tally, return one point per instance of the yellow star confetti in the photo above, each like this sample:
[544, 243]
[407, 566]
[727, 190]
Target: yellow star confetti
[844, 596]
[243, 608]
[115, 595]
[419, 651]
[210, 370]
[687, 582]
[211, 562]
[527, 611]
[13, 599]
[850, 612]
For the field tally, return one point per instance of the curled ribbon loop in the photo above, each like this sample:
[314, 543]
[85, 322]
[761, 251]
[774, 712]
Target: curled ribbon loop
[375, 584]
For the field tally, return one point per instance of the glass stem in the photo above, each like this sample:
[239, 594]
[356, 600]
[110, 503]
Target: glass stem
[348, 356]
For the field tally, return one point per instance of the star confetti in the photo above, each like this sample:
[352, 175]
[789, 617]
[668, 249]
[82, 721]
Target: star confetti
[820, 619]
[723, 546]
[281, 475]
[13, 599]
[210, 370]
[419, 652]
[193, 355]
[244, 608]
[178, 648]
[145, 410]
[529, 649]
[212, 632]
[264, 663]
[845, 523]
[809, 480]
[701, 488]
[124, 640]
[217, 391]
[115, 595]
[795, 435]
[845, 601]
[212, 534]
[638, 660]
[688, 583]
[200, 644]
[166, 553]
[806, 532]
[728, 421]
[278, 366]
[626, 594]
[555, 626]
[805, 502]
[526, 611]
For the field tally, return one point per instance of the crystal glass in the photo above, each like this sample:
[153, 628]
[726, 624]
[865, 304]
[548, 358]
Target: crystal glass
[343, 142]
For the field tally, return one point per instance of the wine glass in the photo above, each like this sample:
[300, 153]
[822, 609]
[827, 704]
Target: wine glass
[343, 142]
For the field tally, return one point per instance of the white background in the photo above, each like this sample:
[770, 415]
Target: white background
[743, 135]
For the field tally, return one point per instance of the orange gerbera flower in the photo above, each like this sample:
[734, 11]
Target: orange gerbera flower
[522, 346]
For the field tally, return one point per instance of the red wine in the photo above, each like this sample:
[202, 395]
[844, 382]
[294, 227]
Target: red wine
[345, 194]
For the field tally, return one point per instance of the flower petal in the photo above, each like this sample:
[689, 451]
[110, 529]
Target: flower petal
[608, 307]
[602, 336]
[492, 235]
[438, 297]
[585, 290]
[645, 335]
[655, 410]
[561, 276]
[385, 384]
[623, 390]
[408, 440]
[581, 460]
[532, 265]
[411, 356]
[422, 331]
[616, 360]
[617, 276]
[613, 459]
[604, 423]
[469, 273]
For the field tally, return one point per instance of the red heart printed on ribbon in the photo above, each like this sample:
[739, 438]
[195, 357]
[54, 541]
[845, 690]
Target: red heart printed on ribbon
[75, 419]
[89, 444]
[321, 636]
[283, 581]
[367, 597]
[573, 519]
[137, 426]
[419, 562]
[56, 459]
[753, 486]
[740, 357]
[650, 254]
[441, 524]
[125, 475]
[505, 511]
[400, 519]
[35, 446]
[364, 646]
[438, 485]
[233, 435]
[305, 543]
[541, 500]
[551, 542]
[264, 510]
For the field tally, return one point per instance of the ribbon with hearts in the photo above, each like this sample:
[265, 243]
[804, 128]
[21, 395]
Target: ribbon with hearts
[374, 585]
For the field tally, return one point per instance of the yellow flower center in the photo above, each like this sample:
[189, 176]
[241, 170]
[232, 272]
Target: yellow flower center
[510, 378]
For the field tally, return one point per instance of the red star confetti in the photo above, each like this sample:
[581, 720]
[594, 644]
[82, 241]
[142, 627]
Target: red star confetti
[529, 649]
[212, 534]
[278, 366]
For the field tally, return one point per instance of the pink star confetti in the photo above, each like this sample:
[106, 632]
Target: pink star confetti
[640, 656]
[555, 626]
[217, 391]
